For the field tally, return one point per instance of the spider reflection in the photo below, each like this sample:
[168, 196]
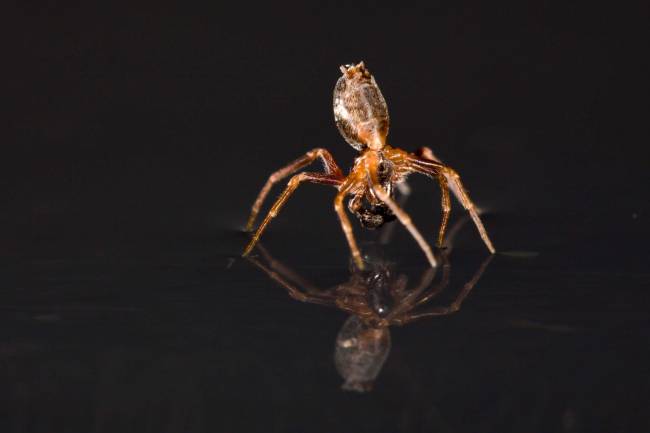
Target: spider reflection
[376, 298]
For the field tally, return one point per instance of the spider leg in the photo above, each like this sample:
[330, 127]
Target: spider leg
[452, 232]
[330, 168]
[387, 232]
[346, 226]
[291, 187]
[446, 209]
[434, 168]
[426, 154]
[402, 216]
[450, 173]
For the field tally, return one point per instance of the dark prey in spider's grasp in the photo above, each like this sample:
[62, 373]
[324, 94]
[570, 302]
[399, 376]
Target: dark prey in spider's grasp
[361, 116]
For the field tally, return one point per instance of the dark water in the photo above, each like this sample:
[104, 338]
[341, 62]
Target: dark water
[188, 337]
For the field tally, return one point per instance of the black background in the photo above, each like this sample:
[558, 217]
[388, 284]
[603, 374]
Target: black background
[135, 141]
[170, 119]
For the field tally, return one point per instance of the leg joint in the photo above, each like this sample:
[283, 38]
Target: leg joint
[296, 179]
[451, 172]
[317, 152]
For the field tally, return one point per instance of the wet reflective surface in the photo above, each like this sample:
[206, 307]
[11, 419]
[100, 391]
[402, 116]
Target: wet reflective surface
[137, 140]
[188, 337]
[376, 298]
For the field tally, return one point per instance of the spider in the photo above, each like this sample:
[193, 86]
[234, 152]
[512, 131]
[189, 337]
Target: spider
[361, 115]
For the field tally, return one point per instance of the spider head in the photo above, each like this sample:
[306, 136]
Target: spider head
[360, 111]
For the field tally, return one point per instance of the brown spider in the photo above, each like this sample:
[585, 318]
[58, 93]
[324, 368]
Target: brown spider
[361, 116]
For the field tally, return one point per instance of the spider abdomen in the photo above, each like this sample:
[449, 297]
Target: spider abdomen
[360, 111]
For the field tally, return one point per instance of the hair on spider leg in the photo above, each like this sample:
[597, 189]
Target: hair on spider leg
[361, 116]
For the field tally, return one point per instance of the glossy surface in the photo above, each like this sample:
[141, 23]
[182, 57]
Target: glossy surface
[187, 337]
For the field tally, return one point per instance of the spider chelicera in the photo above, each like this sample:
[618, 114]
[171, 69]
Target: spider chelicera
[361, 116]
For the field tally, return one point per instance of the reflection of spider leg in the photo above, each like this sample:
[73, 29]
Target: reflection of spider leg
[454, 306]
[436, 169]
[442, 285]
[293, 290]
[387, 232]
[328, 162]
[416, 297]
[291, 187]
[288, 273]
[402, 216]
[410, 299]
[425, 281]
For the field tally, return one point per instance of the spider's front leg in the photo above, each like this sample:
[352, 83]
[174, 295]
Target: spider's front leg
[345, 221]
[387, 231]
[403, 217]
[331, 168]
[291, 187]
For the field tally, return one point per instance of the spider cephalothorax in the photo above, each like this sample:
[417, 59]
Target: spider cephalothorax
[361, 115]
